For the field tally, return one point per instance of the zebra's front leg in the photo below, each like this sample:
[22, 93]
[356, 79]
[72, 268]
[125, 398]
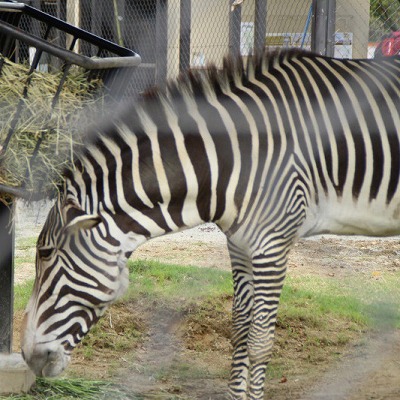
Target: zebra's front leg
[241, 320]
[268, 282]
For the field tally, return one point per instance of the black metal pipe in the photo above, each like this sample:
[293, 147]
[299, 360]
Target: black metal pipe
[235, 21]
[161, 42]
[323, 27]
[66, 55]
[260, 25]
[6, 277]
[67, 28]
[184, 35]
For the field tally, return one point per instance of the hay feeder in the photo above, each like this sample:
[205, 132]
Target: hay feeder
[36, 104]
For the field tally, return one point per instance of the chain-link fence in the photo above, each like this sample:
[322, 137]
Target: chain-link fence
[173, 35]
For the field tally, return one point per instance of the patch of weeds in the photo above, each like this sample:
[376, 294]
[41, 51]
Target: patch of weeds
[119, 330]
[22, 294]
[276, 369]
[384, 314]
[26, 243]
[208, 325]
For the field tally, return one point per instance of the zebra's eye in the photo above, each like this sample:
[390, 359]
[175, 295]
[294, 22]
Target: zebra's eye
[45, 252]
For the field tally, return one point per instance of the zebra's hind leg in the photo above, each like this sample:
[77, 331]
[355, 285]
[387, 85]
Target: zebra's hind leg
[241, 319]
[269, 273]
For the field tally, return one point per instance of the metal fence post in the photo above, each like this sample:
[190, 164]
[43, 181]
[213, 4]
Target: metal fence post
[235, 22]
[161, 42]
[6, 277]
[96, 22]
[260, 25]
[323, 27]
[184, 35]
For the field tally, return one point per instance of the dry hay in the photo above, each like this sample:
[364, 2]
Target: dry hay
[37, 121]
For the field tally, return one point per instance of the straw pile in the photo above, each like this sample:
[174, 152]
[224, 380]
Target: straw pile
[37, 121]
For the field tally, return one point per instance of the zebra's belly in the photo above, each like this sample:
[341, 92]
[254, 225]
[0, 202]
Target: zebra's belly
[352, 218]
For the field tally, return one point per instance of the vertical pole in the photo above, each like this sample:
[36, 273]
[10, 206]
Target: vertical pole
[260, 25]
[161, 42]
[96, 22]
[35, 25]
[117, 23]
[60, 38]
[121, 19]
[6, 277]
[323, 27]
[184, 35]
[235, 20]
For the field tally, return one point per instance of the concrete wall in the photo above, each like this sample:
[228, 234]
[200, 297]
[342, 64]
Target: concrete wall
[209, 33]
[353, 16]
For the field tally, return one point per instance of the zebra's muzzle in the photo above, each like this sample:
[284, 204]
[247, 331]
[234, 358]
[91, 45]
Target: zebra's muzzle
[46, 362]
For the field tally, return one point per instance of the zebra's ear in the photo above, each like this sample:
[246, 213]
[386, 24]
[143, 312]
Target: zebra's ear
[82, 222]
[76, 219]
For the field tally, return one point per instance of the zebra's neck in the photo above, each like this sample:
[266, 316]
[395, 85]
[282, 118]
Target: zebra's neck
[147, 178]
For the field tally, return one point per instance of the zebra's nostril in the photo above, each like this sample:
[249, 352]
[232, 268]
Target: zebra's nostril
[52, 356]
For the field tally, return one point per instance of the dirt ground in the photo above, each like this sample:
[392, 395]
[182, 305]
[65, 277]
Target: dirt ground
[368, 369]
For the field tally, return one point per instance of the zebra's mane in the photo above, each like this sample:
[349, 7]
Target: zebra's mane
[196, 83]
[211, 79]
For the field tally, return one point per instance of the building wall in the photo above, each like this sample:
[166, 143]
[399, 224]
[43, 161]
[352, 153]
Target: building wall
[286, 22]
[209, 33]
[353, 16]
[210, 28]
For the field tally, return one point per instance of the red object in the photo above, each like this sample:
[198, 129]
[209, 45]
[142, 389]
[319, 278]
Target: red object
[389, 46]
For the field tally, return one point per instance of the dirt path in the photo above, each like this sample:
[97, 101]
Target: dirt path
[157, 369]
[370, 371]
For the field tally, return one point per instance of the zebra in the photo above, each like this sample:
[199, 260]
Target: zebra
[287, 145]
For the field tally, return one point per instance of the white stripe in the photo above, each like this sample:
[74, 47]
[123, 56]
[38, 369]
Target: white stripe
[230, 211]
[101, 160]
[255, 142]
[130, 137]
[211, 151]
[151, 130]
[344, 126]
[382, 195]
[363, 197]
[190, 213]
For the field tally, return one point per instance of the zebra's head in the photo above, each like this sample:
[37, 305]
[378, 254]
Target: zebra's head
[80, 271]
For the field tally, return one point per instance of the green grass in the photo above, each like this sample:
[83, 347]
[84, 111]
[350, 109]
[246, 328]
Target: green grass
[68, 389]
[22, 293]
[175, 282]
[366, 302]
[26, 243]
[25, 250]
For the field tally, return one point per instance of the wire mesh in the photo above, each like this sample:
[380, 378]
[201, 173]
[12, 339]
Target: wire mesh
[361, 25]
[174, 35]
